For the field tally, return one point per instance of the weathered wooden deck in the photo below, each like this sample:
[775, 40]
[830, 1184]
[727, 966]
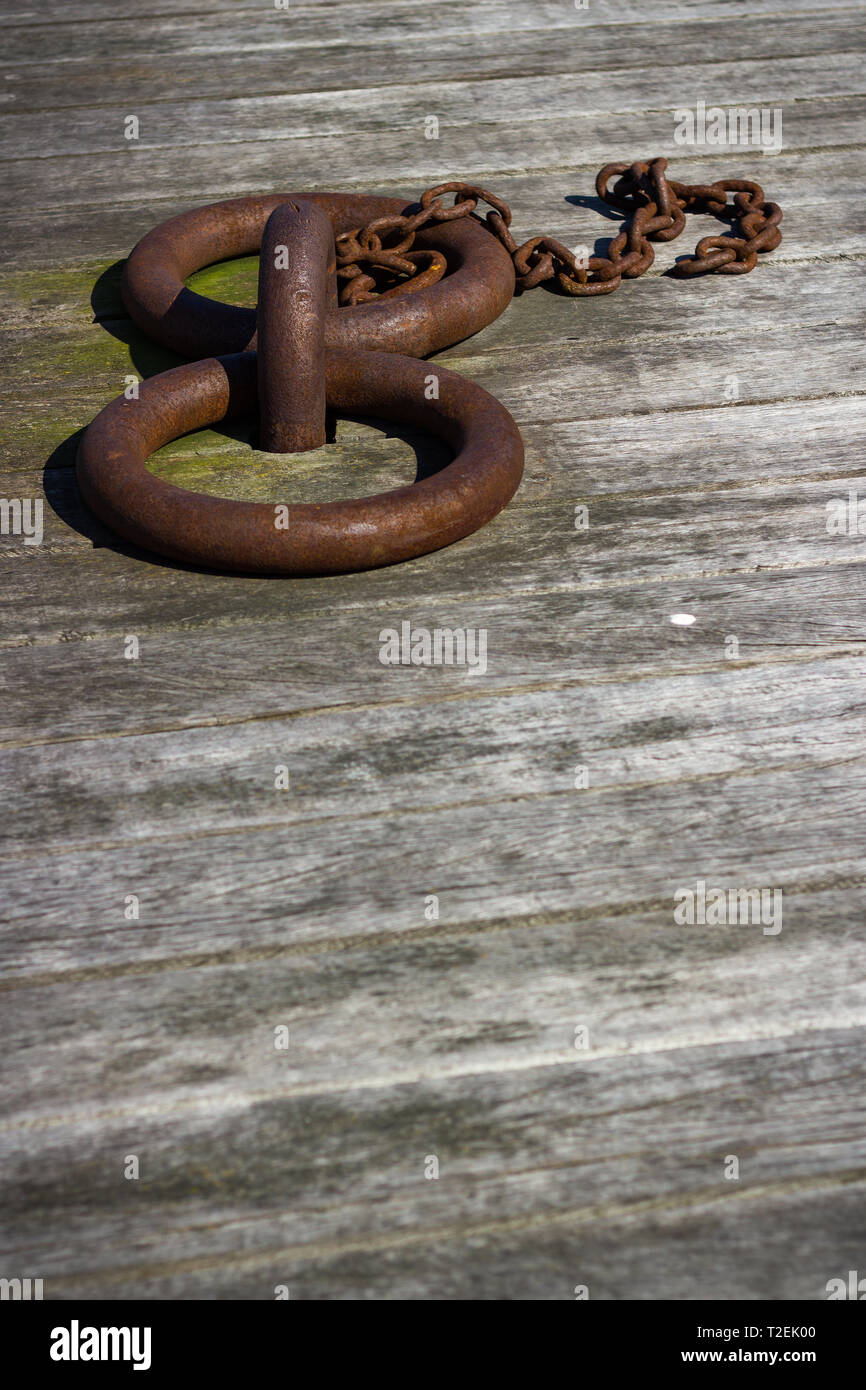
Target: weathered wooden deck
[737, 763]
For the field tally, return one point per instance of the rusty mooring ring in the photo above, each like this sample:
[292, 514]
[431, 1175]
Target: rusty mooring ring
[302, 539]
[477, 289]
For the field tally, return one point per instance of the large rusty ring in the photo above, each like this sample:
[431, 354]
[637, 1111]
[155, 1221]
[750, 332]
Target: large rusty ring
[309, 538]
[478, 287]
[309, 354]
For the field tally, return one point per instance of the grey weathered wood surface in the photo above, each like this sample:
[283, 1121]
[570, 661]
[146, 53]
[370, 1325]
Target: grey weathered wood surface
[305, 908]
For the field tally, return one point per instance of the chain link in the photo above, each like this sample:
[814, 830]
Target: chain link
[370, 258]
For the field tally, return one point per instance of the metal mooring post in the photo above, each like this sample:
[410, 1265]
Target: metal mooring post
[353, 291]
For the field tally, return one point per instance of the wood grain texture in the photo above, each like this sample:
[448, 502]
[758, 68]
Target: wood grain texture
[804, 183]
[520, 102]
[606, 760]
[546, 50]
[231, 168]
[667, 1122]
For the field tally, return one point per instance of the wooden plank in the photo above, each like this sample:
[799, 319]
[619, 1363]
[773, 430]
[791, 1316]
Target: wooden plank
[377, 23]
[778, 1245]
[523, 102]
[93, 236]
[776, 295]
[217, 668]
[234, 168]
[774, 1243]
[196, 1038]
[493, 13]
[753, 445]
[456, 54]
[657, 1127]
[817, 303]
[71, 302]
[150, 786]
[280, 886]
[666, 540]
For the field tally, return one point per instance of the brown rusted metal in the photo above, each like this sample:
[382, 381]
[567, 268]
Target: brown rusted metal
[655, 208]
[352, 290]
[302, 539]
[477, 289]
[644, 189]
[297, 328]
[297, 269]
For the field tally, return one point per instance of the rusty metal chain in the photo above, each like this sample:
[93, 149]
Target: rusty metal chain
[369, 258]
